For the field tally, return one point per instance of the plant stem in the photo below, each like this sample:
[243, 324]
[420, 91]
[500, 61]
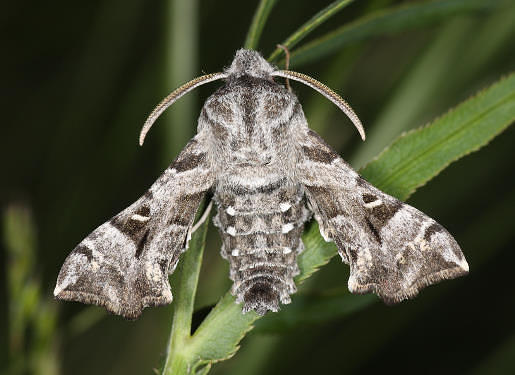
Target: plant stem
[310, 25]
[178, 356]
[258, 22]
[181, 66]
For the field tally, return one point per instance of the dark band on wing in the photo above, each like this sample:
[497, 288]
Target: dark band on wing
[367, 198]
[185, 209]
[87, 252]
[325, 198]
[132, 227]
[319, 154]
[433, 228]
[141, 244]
[220, 108]
[217, 128]
[385, 212]
[374, 230]
[188, 162]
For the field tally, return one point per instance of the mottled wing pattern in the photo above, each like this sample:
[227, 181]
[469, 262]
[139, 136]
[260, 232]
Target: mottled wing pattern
[393, 249]
[124, 264]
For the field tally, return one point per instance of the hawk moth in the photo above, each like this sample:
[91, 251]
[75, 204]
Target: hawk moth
[269, 174]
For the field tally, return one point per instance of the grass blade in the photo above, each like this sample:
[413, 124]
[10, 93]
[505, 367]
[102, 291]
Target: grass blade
[32, 334]
[424, 81]
[389, 21]
[418, 156]
[182, 58]
[449, 66]
[258, 22]
[309, 26]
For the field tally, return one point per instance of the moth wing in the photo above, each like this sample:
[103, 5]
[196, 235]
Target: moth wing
[124, 264]
[393, 249]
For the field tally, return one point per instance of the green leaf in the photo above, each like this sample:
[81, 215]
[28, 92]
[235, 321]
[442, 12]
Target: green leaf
[320, 252]
[381, 23]
[258, 22]
[410, 162]
[218, 336]
[418, 156]
[309, 26]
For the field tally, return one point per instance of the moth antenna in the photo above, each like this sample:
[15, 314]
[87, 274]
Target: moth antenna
[327, 92]
[173, 97]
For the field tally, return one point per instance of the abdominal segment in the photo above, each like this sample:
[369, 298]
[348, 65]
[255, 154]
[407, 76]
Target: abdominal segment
[261, 232]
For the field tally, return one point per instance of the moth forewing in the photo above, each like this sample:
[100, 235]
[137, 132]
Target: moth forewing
[268, 174]
[393, 249]
[124, 264]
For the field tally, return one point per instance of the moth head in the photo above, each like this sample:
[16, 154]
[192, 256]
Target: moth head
[251, 63]
[248, 62]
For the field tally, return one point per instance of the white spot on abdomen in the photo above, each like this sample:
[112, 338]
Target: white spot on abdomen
[285, 206]
[287, 228]
[230, 211]
[231, 231]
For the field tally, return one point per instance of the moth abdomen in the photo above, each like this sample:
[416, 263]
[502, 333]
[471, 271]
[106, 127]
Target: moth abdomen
[261, 229]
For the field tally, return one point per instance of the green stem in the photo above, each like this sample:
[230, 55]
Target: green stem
[310, 25]
[386, 22]
[178, 355]
[182, 57]
[258, 22]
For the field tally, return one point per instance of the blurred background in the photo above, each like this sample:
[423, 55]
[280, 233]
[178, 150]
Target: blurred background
[79, 79]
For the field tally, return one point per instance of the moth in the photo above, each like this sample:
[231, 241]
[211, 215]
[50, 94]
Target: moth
[268, 174]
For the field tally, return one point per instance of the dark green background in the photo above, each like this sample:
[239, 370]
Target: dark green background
[79, 79]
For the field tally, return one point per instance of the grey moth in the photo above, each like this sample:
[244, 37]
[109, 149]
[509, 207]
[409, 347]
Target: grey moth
[269, 174]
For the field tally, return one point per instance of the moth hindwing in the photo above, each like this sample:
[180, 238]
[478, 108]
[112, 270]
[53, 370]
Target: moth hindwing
[269, 174]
